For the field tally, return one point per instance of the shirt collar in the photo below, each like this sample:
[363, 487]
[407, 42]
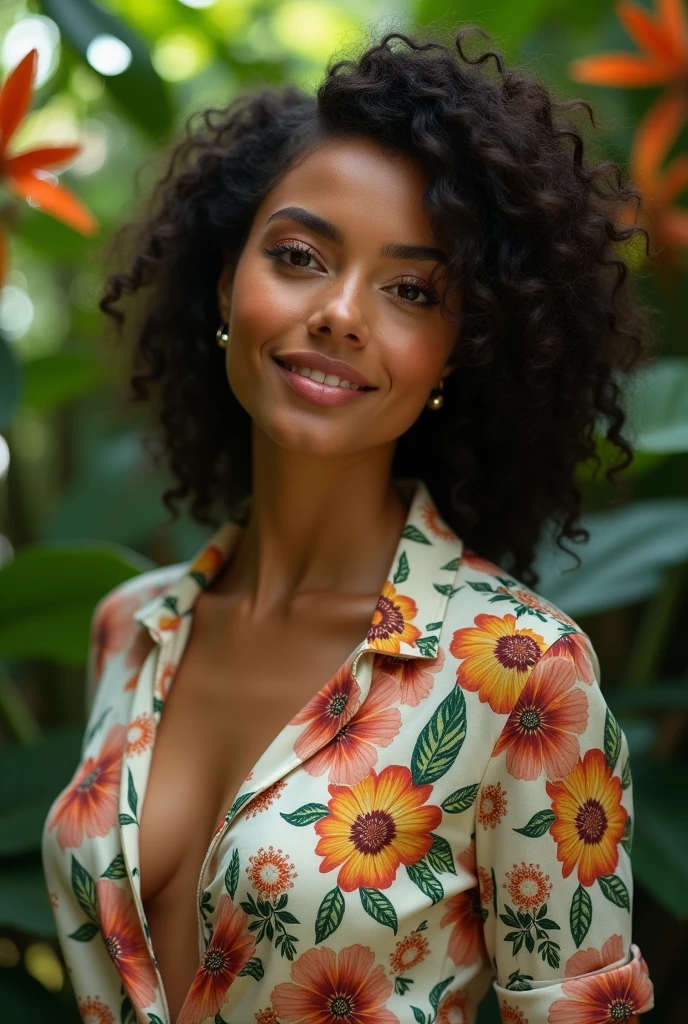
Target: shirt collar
[413, 600]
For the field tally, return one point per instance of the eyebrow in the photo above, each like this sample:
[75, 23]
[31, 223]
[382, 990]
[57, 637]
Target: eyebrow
[395, 250]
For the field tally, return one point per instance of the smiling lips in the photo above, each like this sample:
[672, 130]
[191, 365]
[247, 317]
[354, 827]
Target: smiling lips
[320, 387]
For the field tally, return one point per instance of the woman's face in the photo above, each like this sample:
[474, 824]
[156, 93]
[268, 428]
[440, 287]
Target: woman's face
[346, 275]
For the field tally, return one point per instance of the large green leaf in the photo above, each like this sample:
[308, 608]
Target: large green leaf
[52, 380]
[48, 593]
[139, 88]
[33, 775]
[658, 408]
[507, 22]
[624, 561]
[24, 900]
[660, 833]
[10, 382]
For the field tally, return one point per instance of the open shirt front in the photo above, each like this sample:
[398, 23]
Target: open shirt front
[452, 809]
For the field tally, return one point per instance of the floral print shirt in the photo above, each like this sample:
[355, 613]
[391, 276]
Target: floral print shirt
[451, 810]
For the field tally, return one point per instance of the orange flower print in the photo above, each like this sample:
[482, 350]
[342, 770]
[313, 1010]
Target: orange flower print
[576, 647]
[93, 1011]
[408, 953]
[351, 754]
[541, 731]
[391, 624]
[452, 1008]
[605, 998]
[492, 805]
[140, 734]
[164, 681]
[472, 560]
[125, 942]
[267, 1016]
[466, 941]
[375, 826]
[434, 522]
[230, 949]
[486, 886]
[528, 886]
[497, 659]
[263, 800]
[586, 961]
[412, 676]
[327, 711]
[270, 872]
[589, 819]
[113, 626]
[206, 565]
[328, 987]
[91, 803]
[511, 1014]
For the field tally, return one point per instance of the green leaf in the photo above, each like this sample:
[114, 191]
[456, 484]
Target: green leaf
[402, 569]
[446, 588]
[538, 824]
[116, 869]
[612, 739]
[580, 915]
[59, 377]
[330, 914]
[626, 774]
[427, 645]
[126, 819]
[437, 990]
[453, 565]
[421, 875]
[84, 890]
[461, 799]
[413, 533]
[11, 382]
[377, 906]
[254, 968]
[430, 626]
[85, 932]
[154, 1019]
[440, 740]
[627, 837]
[614, 889]
[237, 805]
[439, 856]
[418, 1014]
[132, 796]
[232, 874]
[306, 814]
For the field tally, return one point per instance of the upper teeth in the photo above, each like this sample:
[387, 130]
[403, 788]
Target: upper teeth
[324, 378]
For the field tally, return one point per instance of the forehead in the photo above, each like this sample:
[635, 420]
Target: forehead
[358, 184]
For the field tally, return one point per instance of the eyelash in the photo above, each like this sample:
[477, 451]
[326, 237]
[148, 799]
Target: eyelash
[281, 247]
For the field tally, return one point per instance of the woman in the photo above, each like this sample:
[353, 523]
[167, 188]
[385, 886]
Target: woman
[346, 764]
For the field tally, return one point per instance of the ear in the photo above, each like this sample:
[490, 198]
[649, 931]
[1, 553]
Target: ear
[225, 283]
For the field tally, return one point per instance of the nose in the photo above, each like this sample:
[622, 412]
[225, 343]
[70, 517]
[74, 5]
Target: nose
[339, 315]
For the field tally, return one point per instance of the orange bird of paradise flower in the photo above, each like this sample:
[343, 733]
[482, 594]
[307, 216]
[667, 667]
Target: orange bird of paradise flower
[662, 39]
[22, 173]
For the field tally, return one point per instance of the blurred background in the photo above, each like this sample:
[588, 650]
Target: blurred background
[80, 507]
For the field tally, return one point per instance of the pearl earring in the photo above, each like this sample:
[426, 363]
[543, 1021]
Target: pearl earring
[436, 400]
[222, 336]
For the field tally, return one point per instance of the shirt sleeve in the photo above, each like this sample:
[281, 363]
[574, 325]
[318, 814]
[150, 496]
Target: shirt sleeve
[553, 843]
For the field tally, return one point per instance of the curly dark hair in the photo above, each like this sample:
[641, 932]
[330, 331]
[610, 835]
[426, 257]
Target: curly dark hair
[534, 234]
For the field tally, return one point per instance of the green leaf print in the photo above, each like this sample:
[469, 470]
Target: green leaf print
[446, 589]
[330, 914]
[418, 1014]
[402, 572]
[232, 874]
[453, 565]
[377, 906]
[430, 626]
[627, 837]
[580, 915]
[126, 819]
[427, 645]
[612, 739]
[439, 856]
[253, 969]
[518, 982]
[85, 933]
[116, 869]
[85, 891]
[237, 805]
[421, 875]
[97, 725]
[154, 1019]
[132, 796]
[538, 824]
[614, 889]
[440, 740]
[306, 814]
[413, 533]
[626, 774]
[461, 799]
[437, 990]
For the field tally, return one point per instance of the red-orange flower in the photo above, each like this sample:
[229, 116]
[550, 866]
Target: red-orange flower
[206, 565]
[663, 44]
[466, 941]
[511, 1014]
[413, 676]
[576, 647]
[140, 734]
[22, 173]
[453, 1008]
[528, 886]
[408, 952]
[434, 522]
[541, 730]
[328, 986]
[270, 872]
[607, 997]
[327, 711]
[374, 827]
[231, 948]
[497, 658]
[585, 961]
[94, 1011]
[351, 754]
[391, 625]
[91, 803]
[589, 818]
[125, 942]
[492, 805]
